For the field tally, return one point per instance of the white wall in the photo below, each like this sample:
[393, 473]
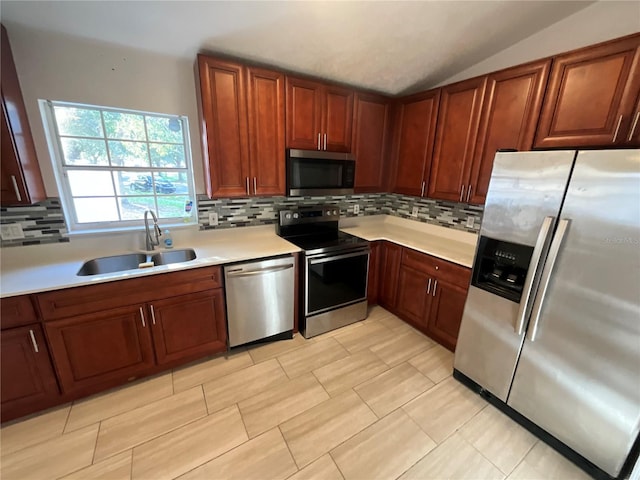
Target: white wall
[58, 67]
[599, 22]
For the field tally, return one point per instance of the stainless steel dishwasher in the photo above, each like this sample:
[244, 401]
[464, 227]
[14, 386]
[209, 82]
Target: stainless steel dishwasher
[259, 299]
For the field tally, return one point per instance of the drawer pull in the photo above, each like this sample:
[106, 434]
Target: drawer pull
[33, 341]
[153, 315]
[142, 318]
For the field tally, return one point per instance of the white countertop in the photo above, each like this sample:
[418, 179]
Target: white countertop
[38, 268]
[453, 245]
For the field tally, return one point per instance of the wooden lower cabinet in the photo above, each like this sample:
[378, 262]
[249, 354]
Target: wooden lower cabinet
[101, 350]
[189, 326]
[27, 381]
[373, 274]
[445, 314]
[389, 256]
[414, 297]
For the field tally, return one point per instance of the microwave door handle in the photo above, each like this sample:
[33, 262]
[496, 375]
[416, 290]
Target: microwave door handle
[539, 251]
[549, 266]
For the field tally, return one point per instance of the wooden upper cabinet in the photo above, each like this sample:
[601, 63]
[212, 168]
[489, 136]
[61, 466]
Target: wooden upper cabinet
[20, 177]
[415, 132]
[510, 113]
[370, 137]
[458, 120]
[632, 139]
[225, 127]
[265, 97]
[591, 96]
[319, 116]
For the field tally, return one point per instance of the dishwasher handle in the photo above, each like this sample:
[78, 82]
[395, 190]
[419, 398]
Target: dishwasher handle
[261, 271]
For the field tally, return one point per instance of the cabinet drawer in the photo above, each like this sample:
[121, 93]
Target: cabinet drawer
[455, 274]
[95, 298]
[17, 311]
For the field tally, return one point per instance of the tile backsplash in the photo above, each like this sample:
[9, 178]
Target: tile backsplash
[44, 222]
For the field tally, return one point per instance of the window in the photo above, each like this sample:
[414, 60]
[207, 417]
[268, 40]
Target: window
[112, 165]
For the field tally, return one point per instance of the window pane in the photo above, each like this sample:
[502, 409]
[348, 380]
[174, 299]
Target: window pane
[171, 206]
[78, 151]
[128, 126]
[78, 122]
[87, 183]
[133, 208]
[128, 154]
[89, 210]
[163, 129]
[179, 181]
[164, 155]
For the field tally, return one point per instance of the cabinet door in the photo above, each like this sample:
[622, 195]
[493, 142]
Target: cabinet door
[458, 118]
[17, 311]
[416, 126]
[337, 119]
[27, 379]
[445, 313]
[224, 108]
[304, 114]
[97, 351]
[632, 139]
[591, 95]
[189, 326]
[388, 274]
[20, 177]
[370, 125]
[372, 277]
[510, 113]
[265, 96]
[414, 295]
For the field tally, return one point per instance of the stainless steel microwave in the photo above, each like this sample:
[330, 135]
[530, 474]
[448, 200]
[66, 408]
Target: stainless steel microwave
[312, 172]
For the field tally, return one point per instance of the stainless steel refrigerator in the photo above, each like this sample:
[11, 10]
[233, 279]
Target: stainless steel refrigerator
[551, 325]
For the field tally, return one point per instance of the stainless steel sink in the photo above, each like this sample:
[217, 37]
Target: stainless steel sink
[131, 261]
[173, 256]
[115, 263]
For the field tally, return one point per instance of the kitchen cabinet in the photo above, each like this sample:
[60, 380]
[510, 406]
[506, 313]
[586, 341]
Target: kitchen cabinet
[20, 178]
[510, 113]
[190, 325]
[445, 312]
[591, 96]
[414, 138]
[456, 133]
[373, 273]
[243, 128]
[414, 295]
[319, 116]
[371, 121]
[389, 255]
[27, 380]
[17, 311]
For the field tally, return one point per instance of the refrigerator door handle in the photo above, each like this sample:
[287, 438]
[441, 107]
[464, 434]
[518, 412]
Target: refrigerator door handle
[556, 244]
[539, 251]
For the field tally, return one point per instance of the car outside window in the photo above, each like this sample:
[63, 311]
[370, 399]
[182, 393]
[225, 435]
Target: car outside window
[112, 165]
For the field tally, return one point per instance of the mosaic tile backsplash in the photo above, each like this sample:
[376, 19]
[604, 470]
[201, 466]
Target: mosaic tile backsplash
[44, 222]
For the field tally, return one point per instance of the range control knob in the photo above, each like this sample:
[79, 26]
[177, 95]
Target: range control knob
[335, 212]
[295, 215]
[287, 216]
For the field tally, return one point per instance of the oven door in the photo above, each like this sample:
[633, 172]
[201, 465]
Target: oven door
[335, 280]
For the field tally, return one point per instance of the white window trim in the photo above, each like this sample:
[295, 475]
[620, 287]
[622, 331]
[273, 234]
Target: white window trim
[66, 198]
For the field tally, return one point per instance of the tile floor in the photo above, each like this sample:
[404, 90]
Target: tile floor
[374, 400]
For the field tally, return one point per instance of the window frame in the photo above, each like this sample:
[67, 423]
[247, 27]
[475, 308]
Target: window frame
[64, 187]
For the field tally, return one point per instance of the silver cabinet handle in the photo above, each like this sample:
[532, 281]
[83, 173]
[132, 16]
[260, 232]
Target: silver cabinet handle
[469, 193]
[462, 193]
[33, 341]
[15, 187]
[325, 141]
[255, 187]
[142, 318]
[429, 287]
[153, 315]
[422, 191]
[546, 276]
[539, 251]
[435, 285]
[634, 125]
[247, 185]
[615, 134]
[319, 136]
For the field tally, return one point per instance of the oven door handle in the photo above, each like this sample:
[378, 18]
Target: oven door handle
[315, 261]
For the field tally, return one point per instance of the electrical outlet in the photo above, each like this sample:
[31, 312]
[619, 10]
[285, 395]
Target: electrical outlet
[356, 209]
[470, 222]
[213, 219]
[414, 212]
[11, 231]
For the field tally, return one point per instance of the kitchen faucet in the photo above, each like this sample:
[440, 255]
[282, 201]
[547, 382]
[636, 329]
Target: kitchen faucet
[151, 243]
